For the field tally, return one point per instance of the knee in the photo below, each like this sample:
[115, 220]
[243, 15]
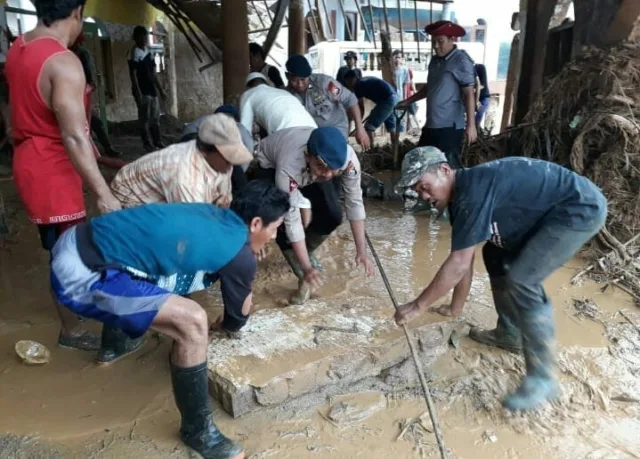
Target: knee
[193, 324]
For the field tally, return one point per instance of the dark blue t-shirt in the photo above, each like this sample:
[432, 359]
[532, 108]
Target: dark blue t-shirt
[374, 89]
[481, 73]
[507, 200]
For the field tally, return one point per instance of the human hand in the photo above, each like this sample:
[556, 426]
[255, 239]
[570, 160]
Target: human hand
[470, 134]
[363, 138]
[313, 278]
[262, 254]
[364, 260]
[407, 312]
[108, 203]
[402, 105]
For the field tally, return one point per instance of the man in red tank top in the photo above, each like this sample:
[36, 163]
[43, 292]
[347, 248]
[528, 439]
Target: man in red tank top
[53, 152]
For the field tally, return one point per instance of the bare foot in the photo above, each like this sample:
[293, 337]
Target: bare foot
[446, 310]
[406, 313]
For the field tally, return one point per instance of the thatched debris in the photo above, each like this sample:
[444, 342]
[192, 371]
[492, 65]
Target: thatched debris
[380, 158]
[587, 119]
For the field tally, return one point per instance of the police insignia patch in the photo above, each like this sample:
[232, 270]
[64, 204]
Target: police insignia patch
[333, 89]
[293, 185]
[351, 171]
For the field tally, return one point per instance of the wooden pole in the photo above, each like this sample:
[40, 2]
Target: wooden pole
[539, 14]
[415, 13]
[401, 28]
[326, 12]
[386, 17]
[297, 36]
[364, 23]
[235, 39]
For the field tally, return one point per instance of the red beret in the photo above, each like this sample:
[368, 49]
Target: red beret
[446, 28]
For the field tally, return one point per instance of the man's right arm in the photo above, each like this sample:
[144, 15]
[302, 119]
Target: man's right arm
[67, 102]
[422, 94]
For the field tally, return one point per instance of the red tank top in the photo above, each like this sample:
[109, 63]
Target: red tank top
[47, 181]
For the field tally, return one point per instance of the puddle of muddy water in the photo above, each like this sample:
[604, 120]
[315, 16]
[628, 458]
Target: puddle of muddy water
[75, 409]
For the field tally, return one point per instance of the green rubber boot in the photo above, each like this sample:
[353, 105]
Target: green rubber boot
[304, 291]
[540, 385]
[314, 241]
[506, 335]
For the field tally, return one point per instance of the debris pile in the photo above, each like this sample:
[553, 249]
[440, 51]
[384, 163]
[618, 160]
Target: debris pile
[586, 119]
[380, 157]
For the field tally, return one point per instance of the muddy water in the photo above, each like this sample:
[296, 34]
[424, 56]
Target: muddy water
[74, 409]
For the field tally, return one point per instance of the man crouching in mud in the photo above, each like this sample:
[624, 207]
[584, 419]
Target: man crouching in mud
[535, 216]
[128, 268]
[302, 161]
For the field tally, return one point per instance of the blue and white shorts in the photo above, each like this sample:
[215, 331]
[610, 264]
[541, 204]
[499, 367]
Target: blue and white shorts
[113, 297]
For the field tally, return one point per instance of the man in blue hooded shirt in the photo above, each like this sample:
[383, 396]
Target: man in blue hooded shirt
[128, 268]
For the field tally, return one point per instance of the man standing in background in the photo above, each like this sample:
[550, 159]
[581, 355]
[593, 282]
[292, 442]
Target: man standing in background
[145, 88]
[401, 80]
[482, 93]
[257, 63]
[450, 94]
[351, 58]
[54, 154]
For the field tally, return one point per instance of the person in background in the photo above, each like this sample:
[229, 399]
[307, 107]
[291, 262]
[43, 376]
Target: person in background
[451, 101]
[401, 80]
[412, 120]
[532, 217]
[129, 270]
[145, 88]
[97, 126]
[199, 170]
[271, 109]
[257, 63]
[54, 154]
[328, 102]
[482, 93]
[351, 59]
[382, 94]
[301, 162]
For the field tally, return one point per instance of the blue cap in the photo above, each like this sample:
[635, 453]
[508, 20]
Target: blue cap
[299, 66]
[330, 145]
[229, 109]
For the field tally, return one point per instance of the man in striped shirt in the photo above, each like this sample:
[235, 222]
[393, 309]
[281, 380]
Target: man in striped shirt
[194, 171]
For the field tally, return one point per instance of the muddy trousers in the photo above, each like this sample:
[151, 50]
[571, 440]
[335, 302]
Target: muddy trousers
[522, 303]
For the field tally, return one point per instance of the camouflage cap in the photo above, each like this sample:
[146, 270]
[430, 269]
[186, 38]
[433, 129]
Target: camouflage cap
[416, 163]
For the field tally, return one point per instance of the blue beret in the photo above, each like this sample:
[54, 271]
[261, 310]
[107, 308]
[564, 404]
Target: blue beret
[330, 145]
[298, 65]
[229, 109]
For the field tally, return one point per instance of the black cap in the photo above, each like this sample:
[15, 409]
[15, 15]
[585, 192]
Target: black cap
[351, 54]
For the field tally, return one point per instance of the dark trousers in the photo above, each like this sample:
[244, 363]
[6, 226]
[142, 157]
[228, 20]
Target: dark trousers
[516, 282]
[238, 177]
[448, 140]
[325, 205]
[149, 119]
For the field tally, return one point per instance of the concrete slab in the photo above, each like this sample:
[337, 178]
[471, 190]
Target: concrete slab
[286, 353]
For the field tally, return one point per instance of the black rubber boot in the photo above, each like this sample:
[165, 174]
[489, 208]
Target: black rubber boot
[116, 345]
[539, 384]
[197, 429]
[506, 335]
[87, 341]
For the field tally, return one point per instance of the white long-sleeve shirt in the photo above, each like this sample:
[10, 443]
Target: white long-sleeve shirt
[273, 110]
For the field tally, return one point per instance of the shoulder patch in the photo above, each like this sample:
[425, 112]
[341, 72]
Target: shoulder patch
[293, 185]
[334, 89]
[350, 171]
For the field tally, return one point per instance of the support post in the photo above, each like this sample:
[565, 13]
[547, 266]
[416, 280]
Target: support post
[235, 41]
[297, 36]
[539, 14]
[172, 75]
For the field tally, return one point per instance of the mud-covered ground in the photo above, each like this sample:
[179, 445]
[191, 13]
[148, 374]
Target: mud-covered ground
[70, 408]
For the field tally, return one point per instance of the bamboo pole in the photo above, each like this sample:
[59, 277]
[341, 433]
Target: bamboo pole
[326, 12]
[346, 21]
[373, 27]
[401, 28]
[415, 12]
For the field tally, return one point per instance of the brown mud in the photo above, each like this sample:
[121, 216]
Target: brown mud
[71, 408]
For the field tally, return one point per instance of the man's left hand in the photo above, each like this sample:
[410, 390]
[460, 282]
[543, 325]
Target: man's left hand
[363, 138]
[471, 134]
[365, 261]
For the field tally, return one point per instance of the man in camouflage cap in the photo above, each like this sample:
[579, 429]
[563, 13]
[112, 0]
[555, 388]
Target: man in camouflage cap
[534, 216]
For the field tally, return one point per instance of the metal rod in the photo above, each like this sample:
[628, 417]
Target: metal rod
[373, 27]
[266, 5]
[253, 5]
[364, 23]
[326, 12]
[386, 16]
[423, 382]
[401, 29]
[415, 12]
[346, 21]
[265, 30]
